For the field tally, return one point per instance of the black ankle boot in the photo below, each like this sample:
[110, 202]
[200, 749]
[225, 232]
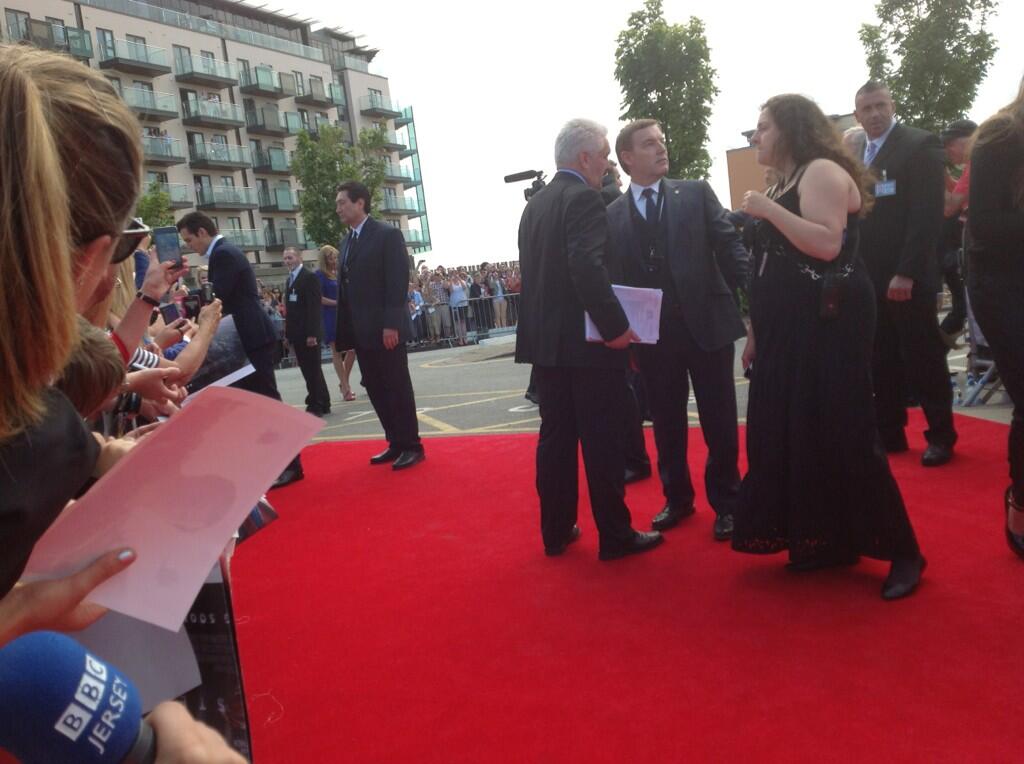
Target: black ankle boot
[904, 576]
[1014, 523]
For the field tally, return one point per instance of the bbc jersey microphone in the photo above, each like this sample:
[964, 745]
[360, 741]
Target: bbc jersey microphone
[58, 703]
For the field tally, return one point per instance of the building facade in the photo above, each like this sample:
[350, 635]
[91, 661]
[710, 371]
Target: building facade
[222, 91]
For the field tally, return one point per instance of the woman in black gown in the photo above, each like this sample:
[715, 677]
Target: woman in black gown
[995, 276]
[819, 482]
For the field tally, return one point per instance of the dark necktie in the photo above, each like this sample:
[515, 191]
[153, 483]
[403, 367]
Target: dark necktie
[352, 238]
[650, 207]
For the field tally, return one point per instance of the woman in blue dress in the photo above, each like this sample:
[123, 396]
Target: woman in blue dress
[343, 358]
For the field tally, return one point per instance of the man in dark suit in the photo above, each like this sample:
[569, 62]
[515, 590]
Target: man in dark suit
[898, 242]
[373, 318]
[565, 263]
[673, 235]
[234, 282]
[304, 329]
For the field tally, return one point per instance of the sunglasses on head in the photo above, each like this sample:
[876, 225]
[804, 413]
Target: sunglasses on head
[131, 238]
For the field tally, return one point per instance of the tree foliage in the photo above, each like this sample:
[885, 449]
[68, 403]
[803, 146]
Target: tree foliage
[323, 161]
[154, 207]
[665, 73]
[932, 54]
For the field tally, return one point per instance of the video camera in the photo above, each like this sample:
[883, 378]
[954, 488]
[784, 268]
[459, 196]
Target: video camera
[537, 185]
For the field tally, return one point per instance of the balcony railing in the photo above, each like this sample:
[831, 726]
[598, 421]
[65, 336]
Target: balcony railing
[413, 238]
[162, 150]
[287, 237]
[392, 142]
[378, 106]
[398, 174]
[336, 93]
[206, 26]
[212, 113]
[314, 95]
[293, 122]
[264, 81]
[399, 205]
[220, 155]
[272, 160]
[278, 200]
[245, 238]
[181, 194]
[227, 197]
[150, 103]
[204, 70]
[265, 121]
[133, 57]
[43, 34]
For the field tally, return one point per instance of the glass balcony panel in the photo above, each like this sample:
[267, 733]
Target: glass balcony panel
[230, 195]
[149, 100]
[134, 51]
[246, 238]
[336, 94]
[213, 110]
[161, 147]
[220, 152]
[293, 122]
[180, 193]
[206, 65]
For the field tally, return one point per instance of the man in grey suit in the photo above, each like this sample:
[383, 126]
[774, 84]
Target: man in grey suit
[673, 235]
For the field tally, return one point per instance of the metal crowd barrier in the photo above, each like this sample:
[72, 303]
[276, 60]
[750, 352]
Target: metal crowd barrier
[479, 318]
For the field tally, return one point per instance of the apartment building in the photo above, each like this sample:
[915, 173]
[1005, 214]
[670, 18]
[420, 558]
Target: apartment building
[222, 91]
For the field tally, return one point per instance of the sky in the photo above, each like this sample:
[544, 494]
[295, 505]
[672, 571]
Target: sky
[492, 84]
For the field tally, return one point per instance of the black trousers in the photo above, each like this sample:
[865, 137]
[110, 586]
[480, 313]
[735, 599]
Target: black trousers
[636, 447]
[999, 310]
[909, 351]
[667, 369]
[318, 399]
[581, 406]
[389, 387]
[263, 382]
[953, 323]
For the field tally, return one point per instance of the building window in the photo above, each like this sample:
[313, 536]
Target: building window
[116, 83]
[376, 97]
[17, 24]
[106, 44]
[300, 83]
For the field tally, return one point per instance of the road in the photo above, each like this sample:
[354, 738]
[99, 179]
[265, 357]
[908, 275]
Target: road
[479, 389]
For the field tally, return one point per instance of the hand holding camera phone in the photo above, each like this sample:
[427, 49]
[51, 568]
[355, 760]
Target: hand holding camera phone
[168, 245]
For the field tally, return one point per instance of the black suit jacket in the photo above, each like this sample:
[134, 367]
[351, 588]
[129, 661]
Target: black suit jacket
[234, 282]
[705, 255]
[373, 288]
[304, 317]
[567, 269]
[901, 233]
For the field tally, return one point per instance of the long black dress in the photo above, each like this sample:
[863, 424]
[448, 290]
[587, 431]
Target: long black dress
[819, 482]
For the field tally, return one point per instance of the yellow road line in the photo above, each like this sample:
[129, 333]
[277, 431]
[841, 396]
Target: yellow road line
[437, 423]
[495, 427]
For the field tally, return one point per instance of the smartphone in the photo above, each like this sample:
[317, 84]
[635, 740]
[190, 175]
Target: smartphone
[170, 313]
[206, 293]
[168, 245]
[191, 305]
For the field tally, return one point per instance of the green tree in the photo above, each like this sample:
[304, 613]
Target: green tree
[932, 54]
[665, 73]
[320, 163]
[154, 207]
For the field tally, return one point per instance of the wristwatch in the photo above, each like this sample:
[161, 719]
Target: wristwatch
[147, 299]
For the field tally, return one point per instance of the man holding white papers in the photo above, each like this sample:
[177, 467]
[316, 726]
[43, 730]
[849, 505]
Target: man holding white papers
[672, 235]
[563, 254]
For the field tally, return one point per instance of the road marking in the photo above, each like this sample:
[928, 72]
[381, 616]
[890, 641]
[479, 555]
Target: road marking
[493, 427]
[524, 409]
[436, 423]
[440, 363]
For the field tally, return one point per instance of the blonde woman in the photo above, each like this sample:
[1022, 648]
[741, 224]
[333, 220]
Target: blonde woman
[343, 359]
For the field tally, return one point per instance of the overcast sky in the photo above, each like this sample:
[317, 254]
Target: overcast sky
[491, 84]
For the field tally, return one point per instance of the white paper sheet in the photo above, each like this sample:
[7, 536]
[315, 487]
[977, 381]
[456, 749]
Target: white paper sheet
[642, 308]
[176, 499]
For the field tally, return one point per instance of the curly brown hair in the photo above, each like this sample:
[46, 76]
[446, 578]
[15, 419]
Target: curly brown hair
[806, 134]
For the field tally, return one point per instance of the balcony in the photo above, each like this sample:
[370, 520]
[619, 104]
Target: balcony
[392, 142]
[378, 106]
[205, 72]
[286, 237]
[219, 156]
[246, 239]
[336, 94]
[266, 121]
[214, 114]
[162, 151]
[278, 200]
[273, 161]
[226, 198]
[405, 119]
[415, 239]
[408, 150]
[72, 40]
[150, 106]
[394, 173]
[399, 205]
[315, 95]
[133, 58]
[182, 195]
[265, 82]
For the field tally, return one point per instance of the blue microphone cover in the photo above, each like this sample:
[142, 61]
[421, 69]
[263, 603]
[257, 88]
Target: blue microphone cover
[58, 703]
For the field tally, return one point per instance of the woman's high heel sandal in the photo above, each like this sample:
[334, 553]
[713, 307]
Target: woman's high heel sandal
[1014, 523]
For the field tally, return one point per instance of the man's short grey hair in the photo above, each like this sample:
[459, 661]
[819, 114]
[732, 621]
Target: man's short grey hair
[296, 250]
[577, 136]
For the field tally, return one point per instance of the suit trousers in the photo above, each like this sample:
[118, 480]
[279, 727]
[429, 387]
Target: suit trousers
[667, 369]
[909, 356]
[581, 406]
[389, 387]
[318, 399]
[636, 447]
[263, 382]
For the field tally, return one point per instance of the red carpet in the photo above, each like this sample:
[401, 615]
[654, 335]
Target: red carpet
[413, 617]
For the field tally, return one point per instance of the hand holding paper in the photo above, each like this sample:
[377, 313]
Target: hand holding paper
[642, 308]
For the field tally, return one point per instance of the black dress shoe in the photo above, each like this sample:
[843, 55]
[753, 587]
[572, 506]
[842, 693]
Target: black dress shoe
[723, 528]
[823, 561]
[904, 576]
[641, 542]
[554, 551]
[388, 455]
[288, 476]
[407, 459]
[633, 476]
[670, 516]
[1014, 522]
[936, 455]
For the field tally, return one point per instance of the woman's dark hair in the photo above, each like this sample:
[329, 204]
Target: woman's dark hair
[806, 134]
